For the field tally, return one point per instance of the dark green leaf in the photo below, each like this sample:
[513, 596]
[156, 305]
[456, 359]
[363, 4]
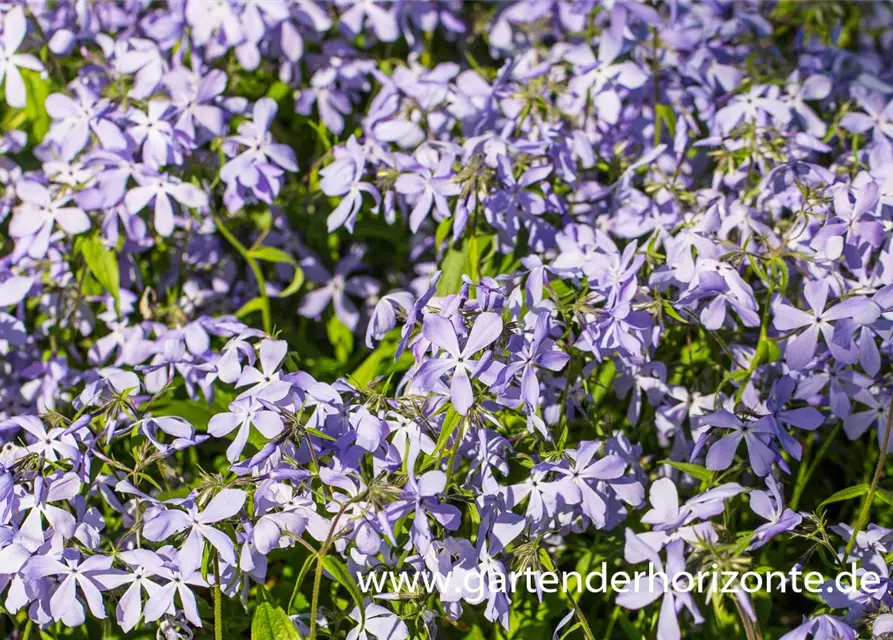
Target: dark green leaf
[846, 494]
[272, 623]
[102, 263]
[340, 573]
[271, 254]
[694, 470]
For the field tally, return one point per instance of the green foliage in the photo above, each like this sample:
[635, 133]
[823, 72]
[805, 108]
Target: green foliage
[102, 263]
[272, 623]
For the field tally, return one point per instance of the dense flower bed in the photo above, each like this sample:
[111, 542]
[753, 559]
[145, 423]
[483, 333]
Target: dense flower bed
[294, 293]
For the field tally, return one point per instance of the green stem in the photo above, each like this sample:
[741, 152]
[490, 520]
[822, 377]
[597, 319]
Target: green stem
[317, 576]
[452, 459]
[760, 352]
[878, 470]
[655, 74]
[27, 632]
[614, 615]
[218, 608]
[581, 618]
[751, 628]
[806, 471]
[255, 269]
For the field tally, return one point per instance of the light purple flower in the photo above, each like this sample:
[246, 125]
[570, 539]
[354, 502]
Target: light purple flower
[14, 28]
[376, 622]
[169, 522]
[76, 575]
[41, 210]
[441, 332]
[801, 349]
[243, 413]
[162, 189]
[770, 506]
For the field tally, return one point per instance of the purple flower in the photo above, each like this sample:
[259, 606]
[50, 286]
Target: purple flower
[162, 189]
[42, 209]
[376, 622]
[244, 412]
[344, 178]
[143, 564]
[268, 383]
[76, 119]
[821, 627]
[877, 403]
[156, 135]
[878, 116]
[14, 28]
[181, 574]
[757, 435]
[801, 349]
[585, 476]
[40, 507]
[381, 20]
[169, 522]
[759, 106]
[384, 316]
[193, 95]
[75, 575]
[421, 497]
[540, 351]
[770, 506]
[260, 165]
[441, 333]
[336, 287]
[645, 590]
[429, 182]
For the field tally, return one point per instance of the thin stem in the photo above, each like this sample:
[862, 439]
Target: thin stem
[614, 615]
[459, 437]
[751, 627]
[317, 576]
[758, 355]
[255, 269]
[218, 608]
[878, 470]
[655, 74]
[581, 618]
[808, 470]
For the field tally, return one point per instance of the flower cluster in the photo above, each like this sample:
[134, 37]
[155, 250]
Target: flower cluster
[293, 292]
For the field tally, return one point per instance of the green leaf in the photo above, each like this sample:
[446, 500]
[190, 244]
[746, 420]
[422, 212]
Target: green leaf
[668, 115]
[846, 494]
[473, 264]
[443, 231]
[671, 311]
[694, 470]
[319, 434]
[252, 306]
[450, 422]
[296, 282]
[278, 90]
[338, 571]
[37, 90]
[451, 270]
[103, 264]
[278, 256]
[341, 338]
[368, 369]
[271, 254]
[305, 569]
[884, 495]
[474, 634]
[272, 623]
